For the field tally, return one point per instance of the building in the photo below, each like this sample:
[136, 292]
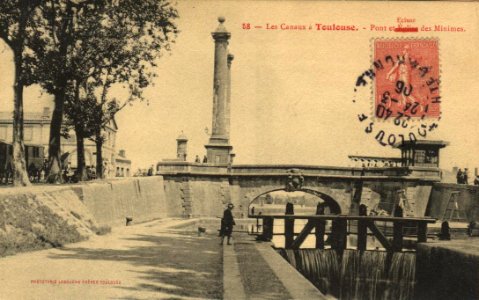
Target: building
[421, 153]
[123, 165]
[37, 132]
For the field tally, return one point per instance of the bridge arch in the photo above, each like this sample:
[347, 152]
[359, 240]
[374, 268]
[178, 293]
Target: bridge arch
[330, 202]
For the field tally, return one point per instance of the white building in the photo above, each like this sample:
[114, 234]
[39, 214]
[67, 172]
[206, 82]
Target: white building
[123, 165]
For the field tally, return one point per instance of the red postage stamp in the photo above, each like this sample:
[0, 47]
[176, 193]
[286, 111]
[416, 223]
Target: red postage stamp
[406, 78]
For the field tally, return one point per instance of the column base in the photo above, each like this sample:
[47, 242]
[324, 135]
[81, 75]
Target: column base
[218, 153]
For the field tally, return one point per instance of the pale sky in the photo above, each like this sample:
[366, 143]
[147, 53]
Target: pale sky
[291, 90]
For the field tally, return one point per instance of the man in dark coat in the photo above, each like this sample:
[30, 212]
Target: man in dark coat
[227, 223]
[459, 177]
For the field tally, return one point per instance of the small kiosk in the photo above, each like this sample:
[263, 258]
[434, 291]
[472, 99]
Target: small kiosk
[421, 153]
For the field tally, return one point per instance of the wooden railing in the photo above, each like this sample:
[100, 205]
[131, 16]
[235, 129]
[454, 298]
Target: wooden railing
[339, 230]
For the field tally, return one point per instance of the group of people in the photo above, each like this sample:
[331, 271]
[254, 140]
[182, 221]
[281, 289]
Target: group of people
[145, 172]
[462, 177]
[38, 174]
[70, 175]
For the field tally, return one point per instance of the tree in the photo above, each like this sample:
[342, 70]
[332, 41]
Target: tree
[15, 22]
[53, 69]
[119, 48]
[97, 44]
[79, 112]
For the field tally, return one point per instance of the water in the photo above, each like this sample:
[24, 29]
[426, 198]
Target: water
[278, 230]
[356, 274]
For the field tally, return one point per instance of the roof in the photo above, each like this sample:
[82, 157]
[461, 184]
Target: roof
[182, 137]
[411, 144]
[124, 160]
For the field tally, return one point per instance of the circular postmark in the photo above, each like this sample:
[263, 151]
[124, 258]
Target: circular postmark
[398, 96]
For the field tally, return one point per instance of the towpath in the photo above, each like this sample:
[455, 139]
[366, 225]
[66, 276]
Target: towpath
[145, 261]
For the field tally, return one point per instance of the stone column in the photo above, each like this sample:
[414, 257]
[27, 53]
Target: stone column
[218, 148]
[220, 81]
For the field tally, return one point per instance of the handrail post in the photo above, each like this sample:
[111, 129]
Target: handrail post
[339, 234]
[289, 226]
[421, 232]
[268, 223]
[362, 229]
[398, 230]
[320, 228]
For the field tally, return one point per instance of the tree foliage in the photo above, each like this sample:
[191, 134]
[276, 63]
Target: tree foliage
[78, 50]
[120, 50]
[93, 46]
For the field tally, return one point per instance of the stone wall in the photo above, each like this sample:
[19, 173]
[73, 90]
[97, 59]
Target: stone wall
[142, 199]
[197, 196]
[40, 217]
[210, 197]
[468, 200]
[178, 196]
[447, 270]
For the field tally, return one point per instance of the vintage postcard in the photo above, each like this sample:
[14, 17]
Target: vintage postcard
[162, 149]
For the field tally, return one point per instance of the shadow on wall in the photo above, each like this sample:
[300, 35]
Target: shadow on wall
[176, 264]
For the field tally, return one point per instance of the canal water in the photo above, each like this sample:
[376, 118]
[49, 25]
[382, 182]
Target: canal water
[357, 275]
[372, 274]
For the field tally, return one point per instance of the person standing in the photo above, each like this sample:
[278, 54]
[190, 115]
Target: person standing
[42, 175]
[465, 176]
[150, 171]
[106, 170]
[459, 176]
[227, 223]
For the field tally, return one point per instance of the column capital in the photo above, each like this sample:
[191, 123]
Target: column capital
[221, 34]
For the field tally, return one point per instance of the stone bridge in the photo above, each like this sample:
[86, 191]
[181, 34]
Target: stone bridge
[204, 189]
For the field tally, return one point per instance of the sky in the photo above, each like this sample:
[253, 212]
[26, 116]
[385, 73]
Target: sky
[292, 90]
